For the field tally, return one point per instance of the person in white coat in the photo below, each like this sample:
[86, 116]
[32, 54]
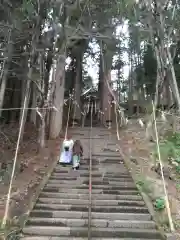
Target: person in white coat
[66, 151]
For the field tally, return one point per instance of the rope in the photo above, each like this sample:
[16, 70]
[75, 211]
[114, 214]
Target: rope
[90, 177]
[35, 108]
[162, 174]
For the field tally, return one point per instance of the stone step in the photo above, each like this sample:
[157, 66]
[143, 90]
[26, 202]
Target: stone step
[68, 169]
[114, 173]
[117, 161]
[95, 232]
[102, 161]
[112, 179]
[118, 210]
[68, 182]
[114, 176]
[83, 164]
[94, 191]
[66, 186]
[64, 222]
[59, 178]
[93, 138]
[94, 196]
[82, 208]
[94, 202]
[86, 162]
[94, 182]
[62, 170]
[120, 186]
[85, 186]
[85, 167]
[106, 182]
[83, 173]
[100, 166]
[76, 238]
[84, 214]
[111, 155]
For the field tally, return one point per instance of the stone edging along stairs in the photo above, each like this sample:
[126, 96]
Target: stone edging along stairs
[118, 210]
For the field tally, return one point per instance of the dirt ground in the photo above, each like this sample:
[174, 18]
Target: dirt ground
[135, 146]
[32, 165]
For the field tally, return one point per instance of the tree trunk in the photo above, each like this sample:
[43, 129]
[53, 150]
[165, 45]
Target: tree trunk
[42, 128]
[16, 99]
[106, 97]
[168, 92]
[56, 116]
[5, 73]
[48, 66]
[52, 85]
[174, 82]
[130, 92]
[42, 131]
[34, 104]
[26, 101]
[27, 86]
[106, 93]
[100, 84]
[77, 108]
[24, 83]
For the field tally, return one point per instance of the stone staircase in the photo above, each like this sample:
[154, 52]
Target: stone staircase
[118, 210]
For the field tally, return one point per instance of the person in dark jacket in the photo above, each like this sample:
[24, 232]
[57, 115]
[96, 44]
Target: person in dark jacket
[77, 154]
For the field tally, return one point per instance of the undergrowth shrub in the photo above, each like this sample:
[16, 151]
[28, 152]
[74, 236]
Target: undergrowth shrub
[170, 150]
[144, 185]
[10, 232]
[159, 204]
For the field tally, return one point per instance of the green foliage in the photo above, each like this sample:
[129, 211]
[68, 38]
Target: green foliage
[159, 204]
[13, 235]
[144, 185]
[10, 232]
[178, 186]
[177, 224]
[174, 138]
[150, 70]
[166, 150]
[146, 71]
[176, 62]
[170, 150]
[27, 9]
[178, 169]
[140, 75]
[27, 6]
